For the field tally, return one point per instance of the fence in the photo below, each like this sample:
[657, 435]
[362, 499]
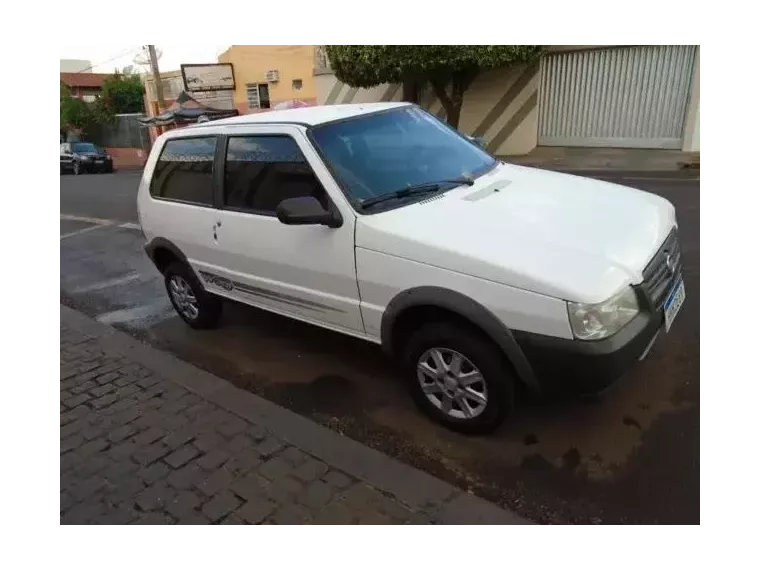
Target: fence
[124, 132]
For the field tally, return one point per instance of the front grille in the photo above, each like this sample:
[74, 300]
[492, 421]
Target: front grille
[658, 277]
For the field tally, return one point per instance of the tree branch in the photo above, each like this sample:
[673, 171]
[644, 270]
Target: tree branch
[439, 88]
[465, 78]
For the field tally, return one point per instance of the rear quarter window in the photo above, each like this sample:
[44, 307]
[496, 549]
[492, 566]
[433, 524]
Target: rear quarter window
[184, 171]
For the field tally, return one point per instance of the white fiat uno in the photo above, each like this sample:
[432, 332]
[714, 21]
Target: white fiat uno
[381, 222]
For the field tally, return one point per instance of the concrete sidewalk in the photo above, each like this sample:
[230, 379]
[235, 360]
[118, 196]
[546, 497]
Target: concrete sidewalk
[149, 439]
[619, 160]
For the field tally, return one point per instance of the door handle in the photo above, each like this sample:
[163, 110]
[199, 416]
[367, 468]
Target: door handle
[216, 225]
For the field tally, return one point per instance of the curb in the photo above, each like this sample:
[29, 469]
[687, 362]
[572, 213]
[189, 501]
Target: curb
[687, 175]
[691, 173]
[423, 492]
[129, 168]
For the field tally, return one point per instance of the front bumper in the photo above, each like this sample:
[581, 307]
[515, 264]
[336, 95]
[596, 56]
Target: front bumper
[94, 166]
[587, 367]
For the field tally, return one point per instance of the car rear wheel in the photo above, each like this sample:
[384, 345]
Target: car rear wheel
[198, 308]
[458, 377]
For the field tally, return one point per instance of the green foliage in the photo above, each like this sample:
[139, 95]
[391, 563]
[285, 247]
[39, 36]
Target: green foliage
[65, 90]
[79, 115]
[101, 113]
[123, 94]
[367, 66]
[441, 66]
[75, 113]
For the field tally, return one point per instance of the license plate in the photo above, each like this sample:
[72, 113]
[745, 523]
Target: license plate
[98, 162]
[674, 302]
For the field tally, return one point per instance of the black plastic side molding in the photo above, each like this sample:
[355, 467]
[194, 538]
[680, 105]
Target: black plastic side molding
[470, 310]
[156, 243]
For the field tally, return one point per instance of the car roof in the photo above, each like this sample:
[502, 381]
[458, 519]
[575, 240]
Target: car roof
[309, 116]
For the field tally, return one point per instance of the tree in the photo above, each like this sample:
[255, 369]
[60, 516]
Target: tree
[75, 113]
[79, 115]
[123, 93]
[450, 70]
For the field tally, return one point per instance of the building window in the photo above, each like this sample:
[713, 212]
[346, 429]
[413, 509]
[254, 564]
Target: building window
[321, 63]
[297, 84]
[258, 95]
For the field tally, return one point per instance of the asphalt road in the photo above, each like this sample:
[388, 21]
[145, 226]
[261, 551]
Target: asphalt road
[104, 196]
[631, 456]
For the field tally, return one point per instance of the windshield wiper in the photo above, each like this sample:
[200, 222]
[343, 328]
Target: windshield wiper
[414, 189]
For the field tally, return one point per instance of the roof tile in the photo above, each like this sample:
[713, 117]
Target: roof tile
[92, 80]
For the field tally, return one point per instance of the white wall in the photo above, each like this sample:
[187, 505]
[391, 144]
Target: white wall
[691, 126]
[76, 66]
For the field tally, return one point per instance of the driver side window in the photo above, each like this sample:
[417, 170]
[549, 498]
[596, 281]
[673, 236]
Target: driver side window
[263, 170]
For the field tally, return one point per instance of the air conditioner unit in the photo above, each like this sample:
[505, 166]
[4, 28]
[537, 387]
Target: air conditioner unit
[273, 76]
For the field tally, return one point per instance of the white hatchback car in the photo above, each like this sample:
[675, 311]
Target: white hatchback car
[381, 222]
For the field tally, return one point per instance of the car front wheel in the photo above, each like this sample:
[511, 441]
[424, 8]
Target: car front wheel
[458, 377]
[199, 309]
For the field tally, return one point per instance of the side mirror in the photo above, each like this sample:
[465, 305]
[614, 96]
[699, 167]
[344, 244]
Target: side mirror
[478, 141]
[306, 210]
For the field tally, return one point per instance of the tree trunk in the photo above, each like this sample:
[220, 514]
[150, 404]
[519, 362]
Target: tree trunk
[411, 91]
[460, 81]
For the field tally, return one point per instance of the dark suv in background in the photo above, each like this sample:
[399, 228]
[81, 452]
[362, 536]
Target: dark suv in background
[78, 157]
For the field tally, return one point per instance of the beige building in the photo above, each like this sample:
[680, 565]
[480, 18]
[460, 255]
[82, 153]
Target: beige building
[267, 75]
[584, 96]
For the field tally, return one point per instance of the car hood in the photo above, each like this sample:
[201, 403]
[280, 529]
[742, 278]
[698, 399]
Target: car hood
[555, 234]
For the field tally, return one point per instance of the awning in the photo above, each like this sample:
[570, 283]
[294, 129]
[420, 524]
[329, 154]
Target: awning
[187, 110]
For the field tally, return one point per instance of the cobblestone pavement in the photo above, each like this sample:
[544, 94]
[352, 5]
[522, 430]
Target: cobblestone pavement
[148, 439]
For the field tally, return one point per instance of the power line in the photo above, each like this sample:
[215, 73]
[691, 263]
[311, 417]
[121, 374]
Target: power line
[122, 54]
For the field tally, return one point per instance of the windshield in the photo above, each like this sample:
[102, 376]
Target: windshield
[84, 147]
[376, 154]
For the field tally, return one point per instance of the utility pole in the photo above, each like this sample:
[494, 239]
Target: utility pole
[156, 77]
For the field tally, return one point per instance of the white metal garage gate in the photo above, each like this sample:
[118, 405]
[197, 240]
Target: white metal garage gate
[632, 97]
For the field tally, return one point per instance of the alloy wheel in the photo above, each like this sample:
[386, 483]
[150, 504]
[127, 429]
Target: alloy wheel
[183, 297]
[452, 383]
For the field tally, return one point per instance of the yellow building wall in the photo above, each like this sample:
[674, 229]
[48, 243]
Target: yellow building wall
[250, 64]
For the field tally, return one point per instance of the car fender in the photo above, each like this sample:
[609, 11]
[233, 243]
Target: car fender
[467, 308]
[159, 242]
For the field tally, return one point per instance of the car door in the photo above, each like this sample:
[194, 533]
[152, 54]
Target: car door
[306, 271]
[182, 197]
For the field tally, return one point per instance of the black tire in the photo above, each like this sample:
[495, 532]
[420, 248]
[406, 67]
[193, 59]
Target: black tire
[209, 306]
[496, 371]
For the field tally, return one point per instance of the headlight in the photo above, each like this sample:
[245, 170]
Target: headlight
[84, 158]
[594, 322]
